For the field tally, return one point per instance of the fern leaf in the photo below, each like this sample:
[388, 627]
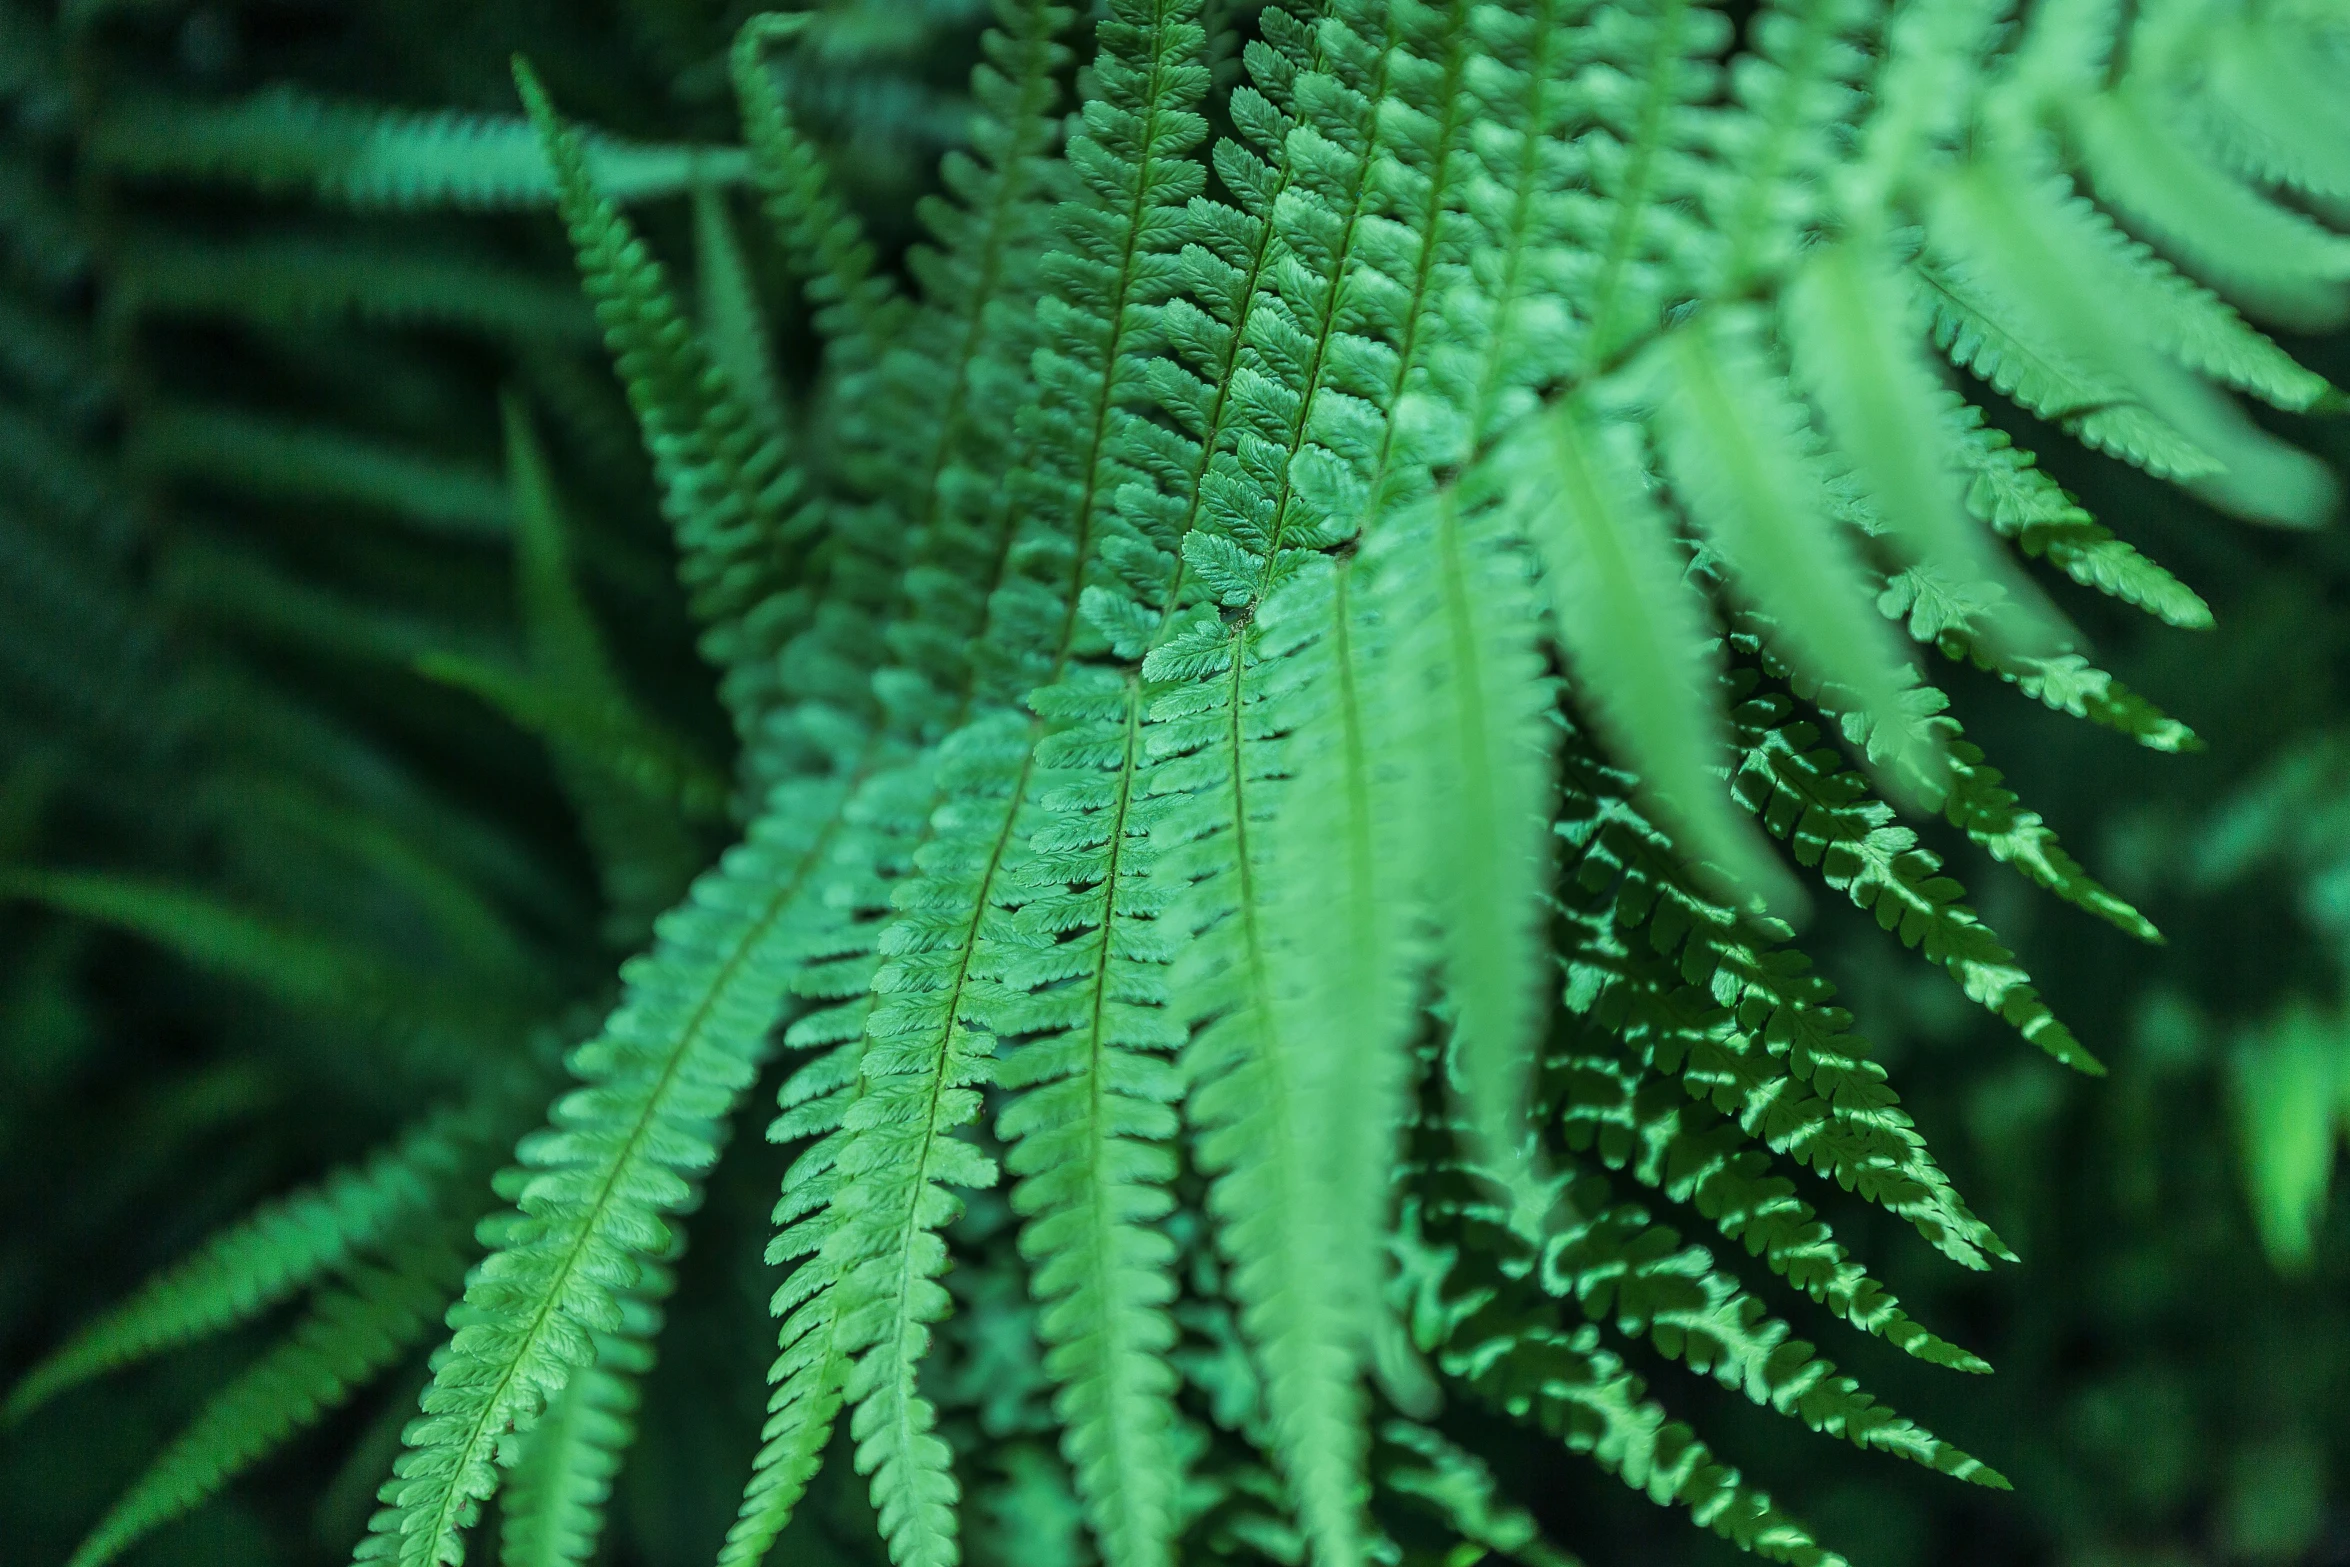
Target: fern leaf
[368, 156]
[553, 1514]
[921, 1058]
[300, 462]
[1729, 443]
[2015, 360]
[291, 963]
[2006, 227]
[1458, 1485]
[1789, 1071]
[1621, 1269]
[1485, 1330]
[2276, 261]
[352, 1333]
[1848, 319]
[1089, 1130]
[621, 1153]
[1647, 1126]
[728, 493]
[264, 1259]
[2269, 111]
[734, 323]
[2181, 317]
[1340, 912]
[2011, 493]
[857, 306]
[300, 281]
[1466, 684]
[1804, 796]
[1633, 630]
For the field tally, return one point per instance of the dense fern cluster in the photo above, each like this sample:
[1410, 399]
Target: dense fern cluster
[1265, 664]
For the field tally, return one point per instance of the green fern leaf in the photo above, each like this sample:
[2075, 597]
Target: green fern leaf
[306, 463]
[857, 306]
[729, 494]
[1465, 685]
[553, 1513]
[368, 156]
[353, 1332]
[302, 281]
[621, 1153]
[1090, 1128]
[1639, 1278]
[2010, 492]
[1848, 319]
[264, 1259]
[2274, 260]
[1646, 1125]
[1805, 796]
[1730, 445]
[294, 964]
[1634, 632]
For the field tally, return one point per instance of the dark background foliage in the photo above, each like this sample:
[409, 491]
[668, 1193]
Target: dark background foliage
[208, 674]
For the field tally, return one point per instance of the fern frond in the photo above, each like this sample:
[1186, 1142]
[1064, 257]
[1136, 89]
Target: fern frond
[919, 1060]
[729, 494]
[1807, 797]
[352, 1333]
[1094, 1114]
[2009, 491]
[2275, 260]
[1457, 1484]
[264, 1259]
[858, 308]
[1646, 1125]
[300, 281]
[621, 1154]
[1856, 354]
[292, 963]
[1466, 693]
[1789, 1071]
[1633, 630]
[1732, 448]
[1622, 1270]
[283, 140]
[553, 1513]
[2017, 362]
[286, 460]
[1495, 1334]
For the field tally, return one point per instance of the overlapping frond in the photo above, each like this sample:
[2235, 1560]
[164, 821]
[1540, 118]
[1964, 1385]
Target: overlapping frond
[266, 1258]
[1159, 623]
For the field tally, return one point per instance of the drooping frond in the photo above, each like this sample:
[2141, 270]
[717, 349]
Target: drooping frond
[353, 1331]
[623, 1153]
[937, 987]
[553, 1513]
[1499, 1335]
[1633, 629]
[264, 1259]
[1739, 1019]
[1640, 1280]
[1808, 797]
[1646, 1124]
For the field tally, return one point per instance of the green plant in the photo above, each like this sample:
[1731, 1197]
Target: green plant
[1211, 650]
